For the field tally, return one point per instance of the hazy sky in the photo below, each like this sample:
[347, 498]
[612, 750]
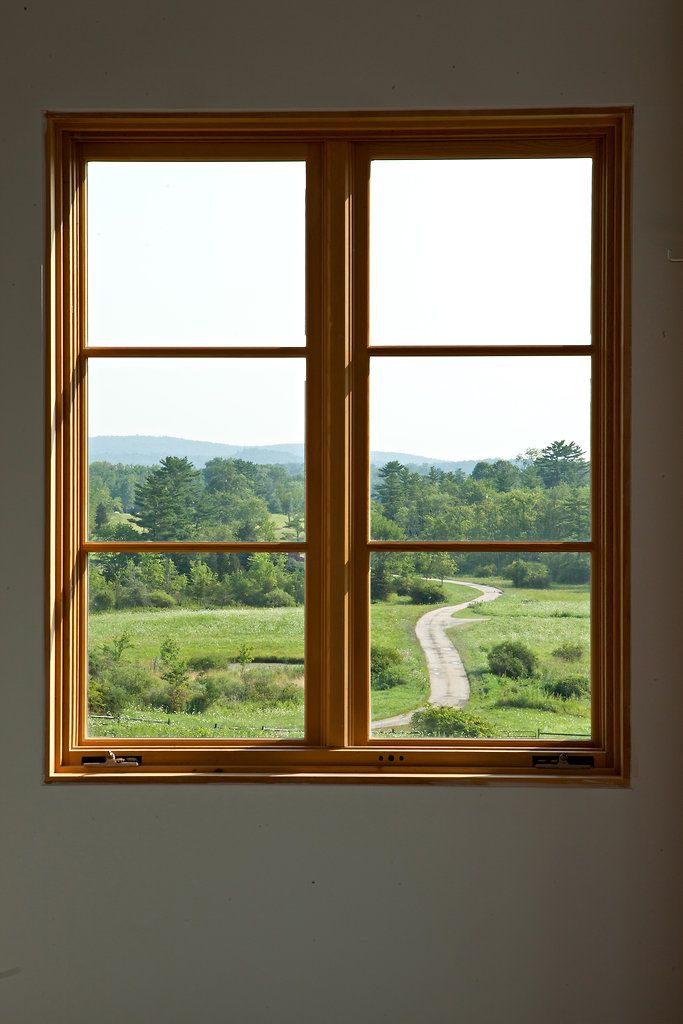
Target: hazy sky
[461, 252]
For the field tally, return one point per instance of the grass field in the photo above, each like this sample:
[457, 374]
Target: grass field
[273, 633]
[544, 620]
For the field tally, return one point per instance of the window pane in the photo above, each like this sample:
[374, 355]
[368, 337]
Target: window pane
[480, 645]
[196, 449]
[196, 253]
[476, 252]
[195, 644]
[480, 448]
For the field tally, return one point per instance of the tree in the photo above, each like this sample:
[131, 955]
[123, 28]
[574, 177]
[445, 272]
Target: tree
[391, 490]
[174, 671]
[168, 502]
[101, 515]
[561, 462]
[203, 582]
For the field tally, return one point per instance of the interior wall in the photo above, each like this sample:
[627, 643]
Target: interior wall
[325, 903]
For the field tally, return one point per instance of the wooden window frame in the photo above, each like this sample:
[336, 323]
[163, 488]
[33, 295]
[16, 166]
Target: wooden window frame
[338, 148]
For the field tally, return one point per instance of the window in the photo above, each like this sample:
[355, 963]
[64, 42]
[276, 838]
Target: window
[337, 446]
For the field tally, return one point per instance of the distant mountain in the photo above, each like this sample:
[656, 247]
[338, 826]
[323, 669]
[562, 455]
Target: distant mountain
[142, 450]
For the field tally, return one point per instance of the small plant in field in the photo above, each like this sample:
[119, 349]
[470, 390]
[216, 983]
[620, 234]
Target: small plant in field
[245, 656]
[512, 659]
[449, 722]
[569, 652]
[115, 650]
[568, 688]
[174, 672]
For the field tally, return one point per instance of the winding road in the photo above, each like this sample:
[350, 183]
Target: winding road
[449, 685]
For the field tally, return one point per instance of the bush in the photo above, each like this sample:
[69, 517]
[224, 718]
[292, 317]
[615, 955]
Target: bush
[118, 685]
[421, 591]
[568, 688]
[569, 652]
[484, 569]
[106, 699]
[529, 574]
[386, 670]
[204, 662]
[450, 722]
[519, 697]
[278, 598]
[160, 599]
[512, 659]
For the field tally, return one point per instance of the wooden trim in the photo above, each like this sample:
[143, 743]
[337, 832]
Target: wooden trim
[561, 123]
[194, 352]
[360, 455]
[338, 148]
[92, 546]
[475, 545]
[315, 610]
[480, 350]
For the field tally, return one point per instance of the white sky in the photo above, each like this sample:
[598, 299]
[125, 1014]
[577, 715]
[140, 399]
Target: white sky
[461, 252]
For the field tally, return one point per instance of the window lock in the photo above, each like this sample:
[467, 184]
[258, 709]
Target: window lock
[562, 760]
[111, 759]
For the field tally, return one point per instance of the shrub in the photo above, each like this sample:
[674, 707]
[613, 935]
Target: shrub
[512, 659]
[485, 569]
[450, 722]
[569, 652]
[160, 599]
[106, 699]
[519, 697]
[204, 662]
[386, 670]
[529, 574]
[118, 684]
[568, 688]
[421, 591]
[278, 598]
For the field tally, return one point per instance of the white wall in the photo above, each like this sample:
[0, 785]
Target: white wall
[310, 903]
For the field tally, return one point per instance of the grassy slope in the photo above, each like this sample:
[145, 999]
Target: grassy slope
[271, 632]
[543, 620]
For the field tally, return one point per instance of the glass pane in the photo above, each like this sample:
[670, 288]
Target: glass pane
[196, 253]
[196, 449]
[490, 252]
[480, 448]
[480, 645]
[195, 644]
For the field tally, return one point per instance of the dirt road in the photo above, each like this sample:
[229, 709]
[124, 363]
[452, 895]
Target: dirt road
[449, 685]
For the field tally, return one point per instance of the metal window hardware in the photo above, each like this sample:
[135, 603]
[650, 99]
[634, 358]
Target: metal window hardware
[111, 759]
[562, 760]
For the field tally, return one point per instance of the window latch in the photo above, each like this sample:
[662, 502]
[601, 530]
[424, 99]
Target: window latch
[562, 760]
[111, 759]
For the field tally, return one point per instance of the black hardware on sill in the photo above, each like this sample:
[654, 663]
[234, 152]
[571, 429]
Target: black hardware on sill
[112, 759]
[562, 760]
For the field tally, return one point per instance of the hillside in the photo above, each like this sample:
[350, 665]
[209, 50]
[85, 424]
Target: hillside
[143, 450]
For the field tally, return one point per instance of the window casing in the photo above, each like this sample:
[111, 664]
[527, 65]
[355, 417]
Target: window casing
[338, 150]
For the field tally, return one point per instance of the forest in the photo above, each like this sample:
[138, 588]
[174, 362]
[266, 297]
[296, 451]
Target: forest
[540, 495]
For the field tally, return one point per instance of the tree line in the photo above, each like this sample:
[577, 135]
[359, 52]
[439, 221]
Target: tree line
[541, 495]
[228, 500]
